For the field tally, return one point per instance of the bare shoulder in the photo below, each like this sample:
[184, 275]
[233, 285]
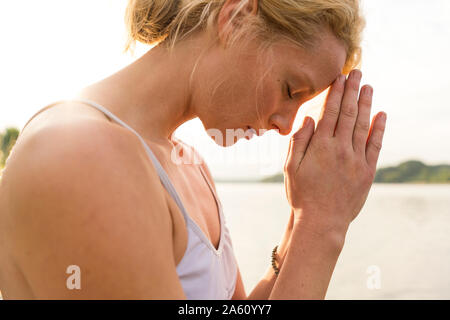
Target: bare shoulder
[68, 152]
[86, 195]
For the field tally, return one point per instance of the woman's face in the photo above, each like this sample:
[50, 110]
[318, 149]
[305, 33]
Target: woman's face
[241, 92]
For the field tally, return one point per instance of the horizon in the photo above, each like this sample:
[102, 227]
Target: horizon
[261, 178]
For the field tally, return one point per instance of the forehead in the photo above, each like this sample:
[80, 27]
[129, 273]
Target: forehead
[321, 64]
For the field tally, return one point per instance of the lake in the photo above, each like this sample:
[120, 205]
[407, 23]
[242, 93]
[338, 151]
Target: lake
[397, 248]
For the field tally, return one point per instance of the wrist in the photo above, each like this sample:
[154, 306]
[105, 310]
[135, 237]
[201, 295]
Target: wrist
[285, 241]
[328, 230]
[319, 221]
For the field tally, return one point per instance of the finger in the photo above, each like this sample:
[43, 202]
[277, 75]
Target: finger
[288, 154]
[362, 125]
[349, 107]
[330, 112]
[375, 139]
[298, 145]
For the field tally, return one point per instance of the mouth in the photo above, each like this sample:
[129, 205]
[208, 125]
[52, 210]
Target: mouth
[250, 132]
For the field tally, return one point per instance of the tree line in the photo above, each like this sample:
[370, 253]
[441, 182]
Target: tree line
[411, 171]
[8, 138]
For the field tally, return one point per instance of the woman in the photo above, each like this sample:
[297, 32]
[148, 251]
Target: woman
[94, 203]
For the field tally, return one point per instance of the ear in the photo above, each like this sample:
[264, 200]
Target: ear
[228, 19]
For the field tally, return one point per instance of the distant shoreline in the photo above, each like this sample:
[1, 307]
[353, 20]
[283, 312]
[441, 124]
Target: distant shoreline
[409, 172]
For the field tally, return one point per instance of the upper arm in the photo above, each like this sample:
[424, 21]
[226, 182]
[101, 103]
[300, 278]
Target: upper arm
[94, 201]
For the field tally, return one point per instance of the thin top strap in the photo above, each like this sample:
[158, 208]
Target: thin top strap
[48, 107]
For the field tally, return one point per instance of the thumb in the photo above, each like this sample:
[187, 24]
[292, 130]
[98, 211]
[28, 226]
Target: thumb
[298, 144]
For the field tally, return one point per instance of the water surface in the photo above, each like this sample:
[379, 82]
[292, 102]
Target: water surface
[401, 236]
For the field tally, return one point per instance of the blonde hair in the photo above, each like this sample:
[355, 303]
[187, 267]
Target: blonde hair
[299, 21]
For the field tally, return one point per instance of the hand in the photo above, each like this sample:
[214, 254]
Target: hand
[329, 172]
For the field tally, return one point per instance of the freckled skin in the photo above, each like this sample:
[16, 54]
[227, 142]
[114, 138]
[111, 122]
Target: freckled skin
[240, 89]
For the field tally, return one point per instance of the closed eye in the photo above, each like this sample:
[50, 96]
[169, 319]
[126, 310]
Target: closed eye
[289, 91]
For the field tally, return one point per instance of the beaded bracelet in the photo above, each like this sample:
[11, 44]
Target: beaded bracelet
[274, 265]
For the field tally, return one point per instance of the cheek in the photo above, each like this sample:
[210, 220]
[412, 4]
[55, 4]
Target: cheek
[268, 97]
[235, 103]
[254, 102]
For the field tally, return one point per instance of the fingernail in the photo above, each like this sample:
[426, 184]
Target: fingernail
[341, 78]
[306, 121]
[367, 91]
[357, 74]
[383, 116]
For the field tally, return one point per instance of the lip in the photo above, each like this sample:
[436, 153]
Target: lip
[253, 132]
[258, 132]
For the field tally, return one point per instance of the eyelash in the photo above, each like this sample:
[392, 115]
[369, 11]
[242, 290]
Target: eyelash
[289, 91]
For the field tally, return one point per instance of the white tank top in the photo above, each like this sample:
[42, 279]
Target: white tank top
[204, 272]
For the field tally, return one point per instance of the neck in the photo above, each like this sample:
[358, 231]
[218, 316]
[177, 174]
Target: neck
[153, 94]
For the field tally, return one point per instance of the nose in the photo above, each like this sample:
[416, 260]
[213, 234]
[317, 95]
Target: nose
[283, 122]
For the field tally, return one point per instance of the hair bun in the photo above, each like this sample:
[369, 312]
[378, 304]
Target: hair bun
[149, 21]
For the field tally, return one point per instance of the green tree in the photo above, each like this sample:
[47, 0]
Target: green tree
[7, 140]
[414, 171]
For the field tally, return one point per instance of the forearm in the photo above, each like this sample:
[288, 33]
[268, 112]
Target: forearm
[309, 262]
[264, 287]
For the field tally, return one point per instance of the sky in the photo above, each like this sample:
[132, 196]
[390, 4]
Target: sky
[52, 48]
